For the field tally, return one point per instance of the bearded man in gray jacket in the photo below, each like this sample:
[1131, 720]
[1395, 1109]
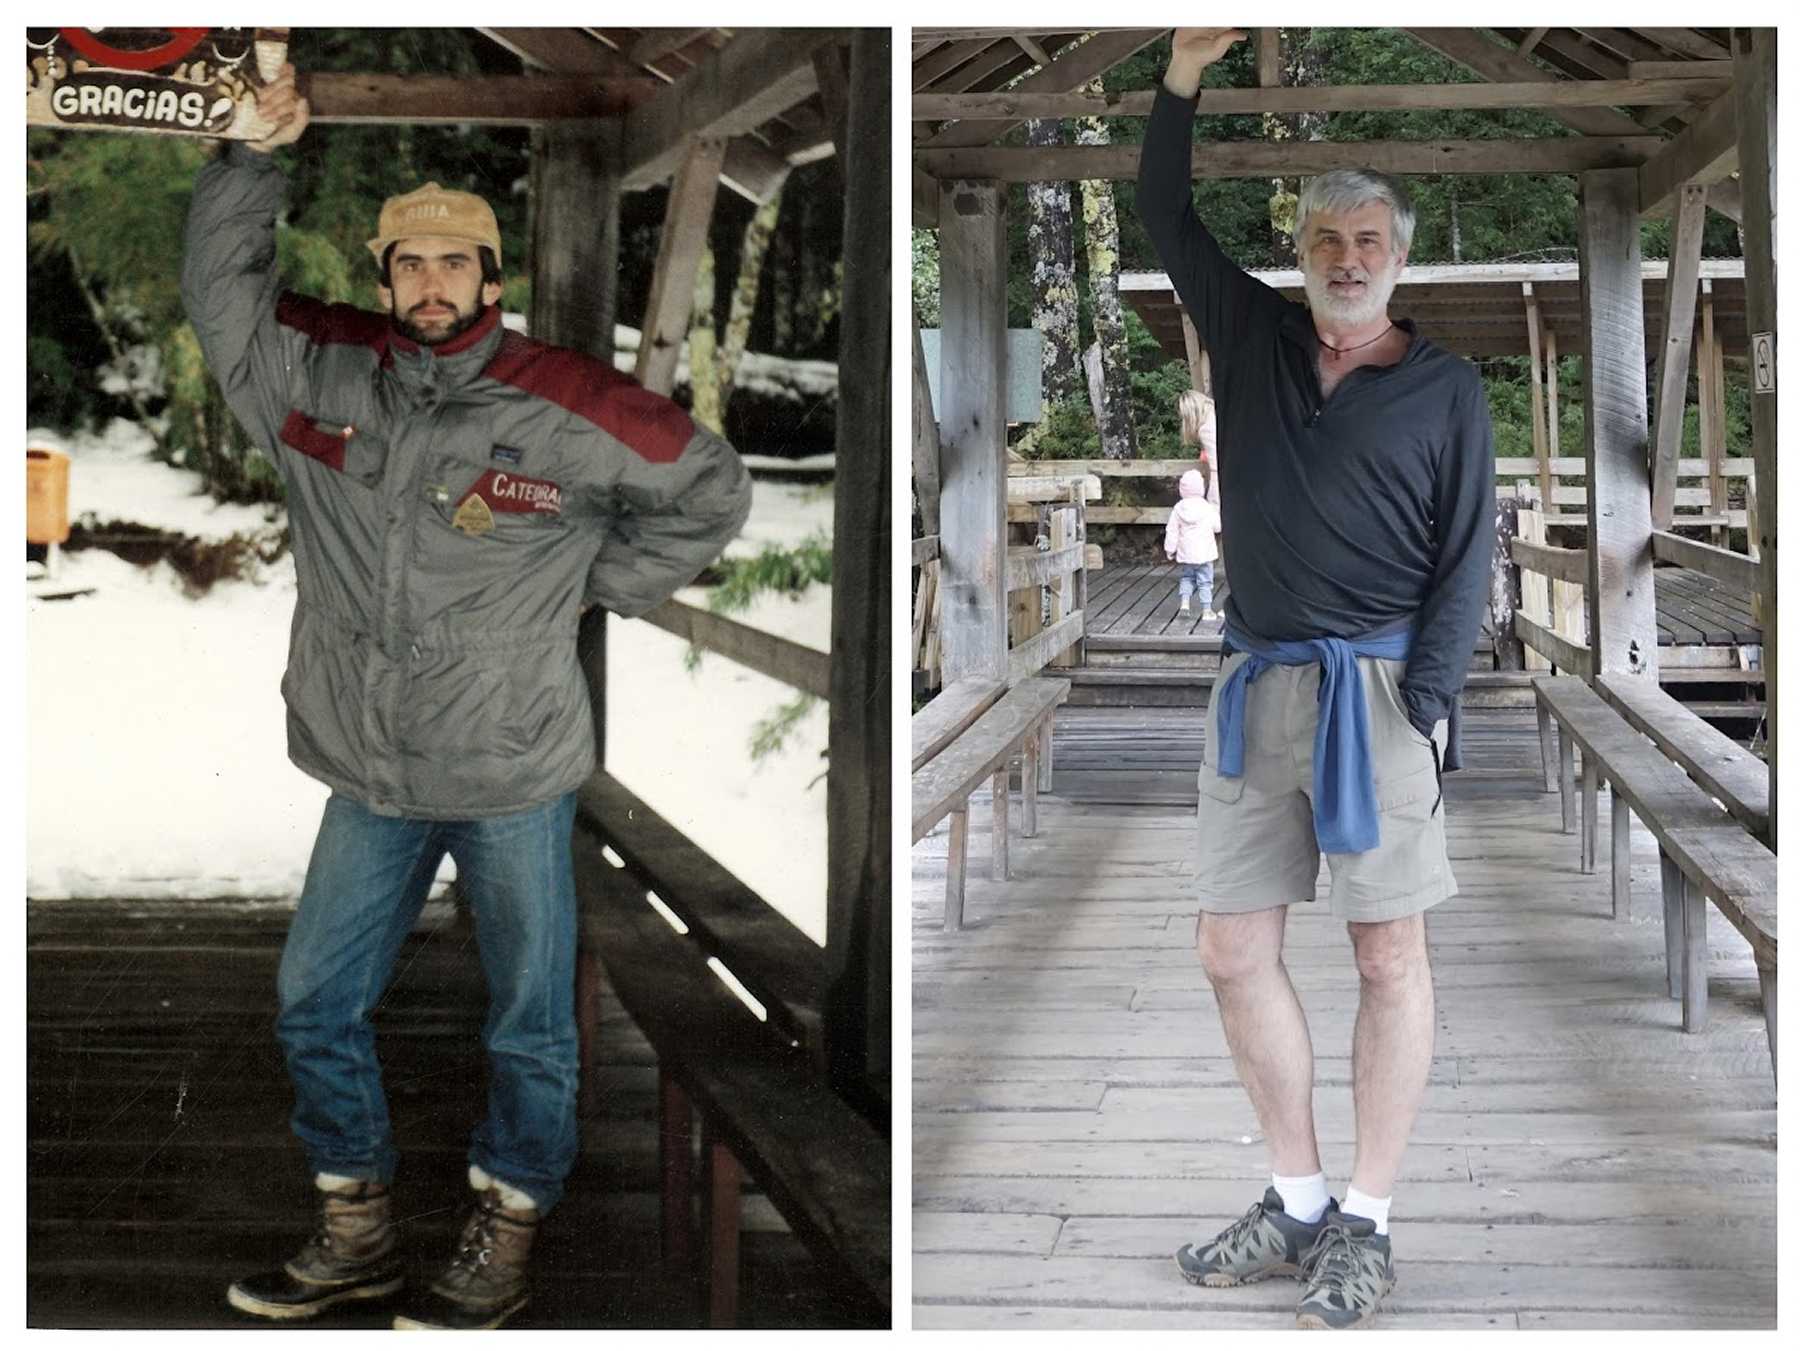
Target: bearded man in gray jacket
[458, 495]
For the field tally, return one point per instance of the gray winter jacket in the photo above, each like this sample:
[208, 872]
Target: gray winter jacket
[452, 507]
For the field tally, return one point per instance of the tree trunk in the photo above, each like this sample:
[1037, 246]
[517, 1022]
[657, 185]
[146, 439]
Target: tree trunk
[702, 341]
[1118, 438]
[1054, 309]
[743, 296]
[1297, 69]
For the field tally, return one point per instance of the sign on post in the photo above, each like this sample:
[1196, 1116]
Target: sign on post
[1762, 363]
[165, 81]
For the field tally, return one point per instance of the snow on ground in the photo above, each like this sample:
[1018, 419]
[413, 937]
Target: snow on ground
[156, 762]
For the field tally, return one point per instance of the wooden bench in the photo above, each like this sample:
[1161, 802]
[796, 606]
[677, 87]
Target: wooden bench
[1019, 724]
[766, 1102]
[1706, 853]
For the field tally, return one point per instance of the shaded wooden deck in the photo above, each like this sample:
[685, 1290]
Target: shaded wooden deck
[1143, 600]
[1579, 1162]
[160, 1165]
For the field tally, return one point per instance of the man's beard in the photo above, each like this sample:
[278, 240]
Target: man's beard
[1350, 313]
[438, 333]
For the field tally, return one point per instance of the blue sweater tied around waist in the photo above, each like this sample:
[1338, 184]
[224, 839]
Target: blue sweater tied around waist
[1345, 818]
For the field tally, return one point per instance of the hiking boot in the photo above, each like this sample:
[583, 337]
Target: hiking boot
[349, 1257]
[1265, 1241]
[484, 1285]
[1351, 1268]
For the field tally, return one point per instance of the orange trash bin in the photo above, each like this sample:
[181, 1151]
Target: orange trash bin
[46, 496]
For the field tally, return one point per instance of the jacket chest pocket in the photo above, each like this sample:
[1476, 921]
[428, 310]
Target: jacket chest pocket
[338, 445]
[496, 504]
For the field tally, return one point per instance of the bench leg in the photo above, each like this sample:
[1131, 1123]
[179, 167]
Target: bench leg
[1028, 788]
[1671, 901]
[587, 1028]
[999, 866]
[1565, 778]
[1693, 957]
[1621, 857]
[956, 867]
[1766, 975]
[1546, 748]
[675, 1150]
[1046, 753]
[724, 1182]
[1590, 812]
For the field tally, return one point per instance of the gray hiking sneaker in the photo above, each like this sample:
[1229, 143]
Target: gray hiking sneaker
[349, 1257]
[1351, 1267]
[1265, 1241]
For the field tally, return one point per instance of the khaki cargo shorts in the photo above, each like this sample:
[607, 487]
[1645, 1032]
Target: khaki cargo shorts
[1255, 843]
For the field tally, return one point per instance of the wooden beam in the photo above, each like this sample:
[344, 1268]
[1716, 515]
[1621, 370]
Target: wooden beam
[831, 69]
[1706, 151]
[752, 172]
[1754, 51]
[685, 224]
[1568, 656]
[972, 430]
[1469, 49]
[859, 784]
[1032, 49]
[1070, 70]
[1689, 42]
[656, 43]
[1678, 70]
[1531, 39]
[1621, 600]
[1257, 159]
[1738, 571]
[794, 664]
[480, 100]
[1326, 98]
[929, 68]
[756, 76]
[1540, 444]
[1677, 340]
[569, 50]
[1268, 57]
[1199, 373]
[1562, 565]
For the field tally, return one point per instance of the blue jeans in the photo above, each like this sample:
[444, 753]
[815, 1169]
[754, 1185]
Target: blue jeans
[365, 886]
[1197, 577]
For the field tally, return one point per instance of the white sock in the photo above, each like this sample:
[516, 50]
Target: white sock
[336, 1182]
[1305, 1198]
[511, 1195]
[1368, 1207]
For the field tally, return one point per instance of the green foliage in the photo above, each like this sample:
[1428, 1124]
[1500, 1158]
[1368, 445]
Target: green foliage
[770, 734]
[789, 571]
[926, 284]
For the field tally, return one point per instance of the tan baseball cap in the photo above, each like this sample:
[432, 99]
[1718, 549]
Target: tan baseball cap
[438, 213]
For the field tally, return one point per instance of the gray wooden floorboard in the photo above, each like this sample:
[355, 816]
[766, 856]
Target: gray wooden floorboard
[1580, 1162]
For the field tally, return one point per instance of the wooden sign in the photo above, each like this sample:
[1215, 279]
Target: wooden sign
[165, 81]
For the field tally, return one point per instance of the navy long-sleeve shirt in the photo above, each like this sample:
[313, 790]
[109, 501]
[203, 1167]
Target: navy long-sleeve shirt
[1342, 515]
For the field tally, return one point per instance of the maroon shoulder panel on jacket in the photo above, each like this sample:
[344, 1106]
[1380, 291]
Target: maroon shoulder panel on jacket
[655, 427]
[332, 323]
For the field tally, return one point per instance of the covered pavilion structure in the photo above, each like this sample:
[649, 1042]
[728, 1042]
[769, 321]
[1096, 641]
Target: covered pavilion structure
[1590, 1153]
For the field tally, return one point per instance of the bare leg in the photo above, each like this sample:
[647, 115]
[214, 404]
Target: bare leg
[1266, 1030]
[1391, 1049]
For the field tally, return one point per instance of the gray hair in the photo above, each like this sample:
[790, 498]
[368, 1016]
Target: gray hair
[1347, 189]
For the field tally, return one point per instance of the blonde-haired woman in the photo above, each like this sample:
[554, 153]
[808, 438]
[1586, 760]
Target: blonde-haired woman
[1200, 428]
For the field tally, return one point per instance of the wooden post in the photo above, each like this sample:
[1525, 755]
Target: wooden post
[1553, 428]
[925, 454]
[858, 786]
[1673, 885]
[1753, 78]
[999, 864]
[575, 196]
[1621, 604]
[1534, 594]
[724, 1186]
[1693, 957]
[1565, 778]
[1540, 432]
[675, 1149]
[1712, 423]
[972, 429]
[956, 868]
[1621, 857]
[1590, 812]
[1677, 341]
[685, 223]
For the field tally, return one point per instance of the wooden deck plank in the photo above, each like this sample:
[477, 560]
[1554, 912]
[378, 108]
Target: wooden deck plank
[1562, 1088]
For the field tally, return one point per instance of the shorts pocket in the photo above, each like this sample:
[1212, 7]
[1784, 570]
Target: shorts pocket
[1219, 788]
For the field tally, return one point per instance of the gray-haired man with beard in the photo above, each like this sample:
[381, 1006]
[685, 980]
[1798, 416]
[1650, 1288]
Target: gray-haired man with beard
[1356, 482]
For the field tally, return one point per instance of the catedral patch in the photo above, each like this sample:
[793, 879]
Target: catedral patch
[514, 494]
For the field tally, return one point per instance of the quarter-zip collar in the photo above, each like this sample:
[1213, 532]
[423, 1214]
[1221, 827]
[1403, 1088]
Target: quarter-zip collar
[431, 372]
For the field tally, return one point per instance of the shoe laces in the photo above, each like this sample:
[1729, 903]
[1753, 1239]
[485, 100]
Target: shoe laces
[1332, 1253]
[1242, 1225]
[476, 1246]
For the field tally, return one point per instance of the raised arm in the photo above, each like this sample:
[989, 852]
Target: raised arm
[1215, 290]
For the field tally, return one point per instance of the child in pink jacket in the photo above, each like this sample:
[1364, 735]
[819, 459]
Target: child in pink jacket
[1190, 540]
